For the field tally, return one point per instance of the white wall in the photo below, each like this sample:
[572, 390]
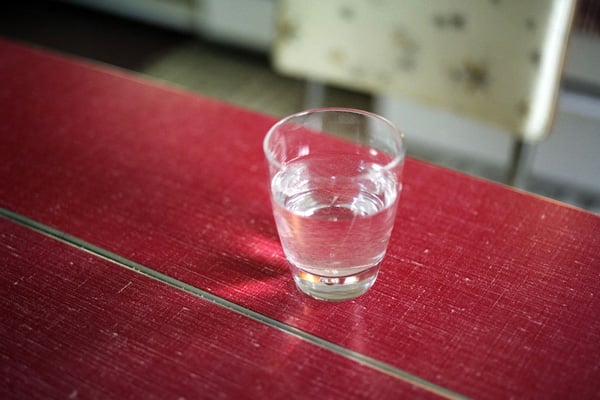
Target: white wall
[569, 154]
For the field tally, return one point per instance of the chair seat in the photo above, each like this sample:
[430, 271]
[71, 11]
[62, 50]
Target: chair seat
[497, 61]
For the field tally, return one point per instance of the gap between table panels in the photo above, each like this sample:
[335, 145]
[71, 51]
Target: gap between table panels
[222, 302]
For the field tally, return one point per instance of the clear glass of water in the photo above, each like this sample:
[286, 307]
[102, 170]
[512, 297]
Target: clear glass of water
[336, 176]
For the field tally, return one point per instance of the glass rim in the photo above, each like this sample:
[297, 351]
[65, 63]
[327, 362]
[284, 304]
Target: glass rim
[389, 166]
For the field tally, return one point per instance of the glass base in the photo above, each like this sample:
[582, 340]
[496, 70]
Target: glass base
[334, 288]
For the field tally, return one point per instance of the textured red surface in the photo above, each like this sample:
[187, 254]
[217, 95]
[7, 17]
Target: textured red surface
[490, 292]
[76, 326]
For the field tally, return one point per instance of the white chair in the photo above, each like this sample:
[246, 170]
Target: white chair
[498, 61]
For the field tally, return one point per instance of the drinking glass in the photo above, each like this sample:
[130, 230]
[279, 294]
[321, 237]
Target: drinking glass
[335, 180]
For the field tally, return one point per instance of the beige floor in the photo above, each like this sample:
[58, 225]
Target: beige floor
[245, 80]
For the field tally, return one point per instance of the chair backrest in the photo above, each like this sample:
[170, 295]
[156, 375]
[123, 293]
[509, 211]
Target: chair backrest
[499, 61]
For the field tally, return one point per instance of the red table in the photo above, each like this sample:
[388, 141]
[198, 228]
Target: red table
[140, 260]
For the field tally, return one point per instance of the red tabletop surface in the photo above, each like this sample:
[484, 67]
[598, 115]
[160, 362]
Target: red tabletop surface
[77, 326]
[486, 291]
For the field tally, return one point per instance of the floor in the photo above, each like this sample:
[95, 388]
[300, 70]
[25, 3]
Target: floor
[231, 74]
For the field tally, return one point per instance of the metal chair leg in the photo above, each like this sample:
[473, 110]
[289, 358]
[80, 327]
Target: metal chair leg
[522, 156]
[315, 94]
